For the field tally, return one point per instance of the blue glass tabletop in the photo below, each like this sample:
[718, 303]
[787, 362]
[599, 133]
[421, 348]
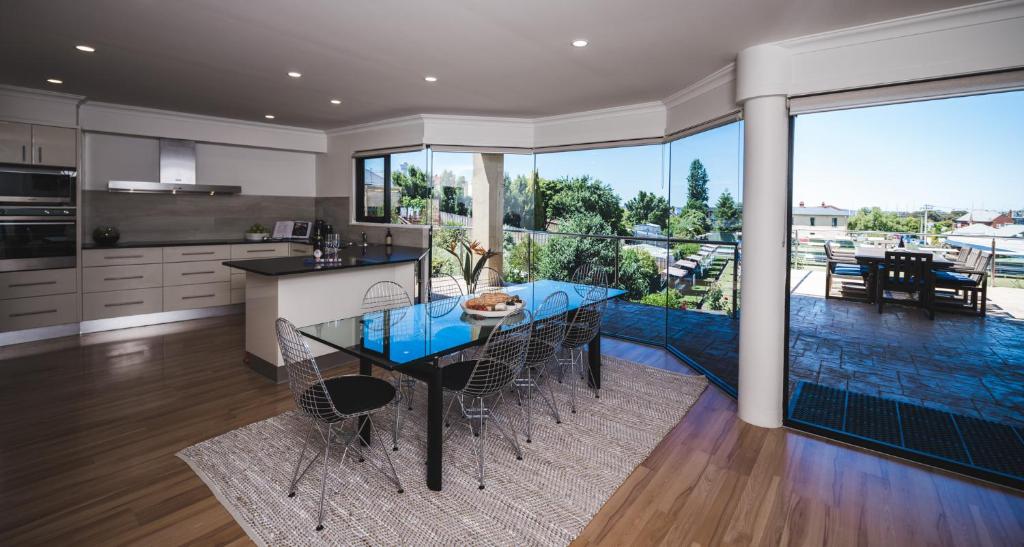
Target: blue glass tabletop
[421, 332]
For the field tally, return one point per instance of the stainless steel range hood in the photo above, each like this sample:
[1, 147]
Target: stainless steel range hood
[177, 174]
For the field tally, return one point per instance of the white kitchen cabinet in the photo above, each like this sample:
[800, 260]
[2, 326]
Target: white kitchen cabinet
[54, 146]
[15, 142]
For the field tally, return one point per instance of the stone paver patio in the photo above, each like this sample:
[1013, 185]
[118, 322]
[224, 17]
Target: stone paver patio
[966, 365]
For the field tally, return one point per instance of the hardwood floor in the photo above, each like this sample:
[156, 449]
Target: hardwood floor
[90, 427]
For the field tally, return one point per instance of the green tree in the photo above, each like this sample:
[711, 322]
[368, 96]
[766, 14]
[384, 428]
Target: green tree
[521, 259]
[668, 297]
[683, 250]
[520, 201]
[647, 207]
[563, 254]
[697, 187]
[638, 273]
[727, 215]
[874, 219]
[689, 224]
[567, 196]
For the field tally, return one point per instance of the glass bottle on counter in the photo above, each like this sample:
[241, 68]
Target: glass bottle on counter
[318, 240]
[387, 238]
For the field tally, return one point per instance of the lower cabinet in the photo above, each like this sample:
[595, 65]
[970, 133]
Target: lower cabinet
[38, 311]
[186, 297]
[104, 305]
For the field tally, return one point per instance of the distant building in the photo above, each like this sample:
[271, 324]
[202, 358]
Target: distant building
[987, 217]
[646, 230]
[825, 217]
[1017, 216]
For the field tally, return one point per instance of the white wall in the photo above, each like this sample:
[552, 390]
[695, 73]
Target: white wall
[335, 174]
[638, 121]
[258, 171]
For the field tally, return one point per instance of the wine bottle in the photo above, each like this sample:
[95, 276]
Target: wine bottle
[388, 238]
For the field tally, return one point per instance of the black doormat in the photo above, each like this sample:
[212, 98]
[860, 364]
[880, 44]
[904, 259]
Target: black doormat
[964, 440]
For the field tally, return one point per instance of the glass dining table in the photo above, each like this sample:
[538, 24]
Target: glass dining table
[412, 340]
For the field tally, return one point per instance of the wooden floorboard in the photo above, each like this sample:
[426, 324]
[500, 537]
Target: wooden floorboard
[90, 427]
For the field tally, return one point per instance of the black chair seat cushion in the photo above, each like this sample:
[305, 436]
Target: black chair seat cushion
[954, 278]
[350, 394]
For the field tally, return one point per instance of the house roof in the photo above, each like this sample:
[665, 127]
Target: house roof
[826, 211]
[979, 215]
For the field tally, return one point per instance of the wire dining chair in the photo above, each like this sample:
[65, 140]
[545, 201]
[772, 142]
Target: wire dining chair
[488, 280]
[471, 383]
[583, 325]
[587, 276]
[392, 297]
[329, 404]
[545, 343]
[445, 286]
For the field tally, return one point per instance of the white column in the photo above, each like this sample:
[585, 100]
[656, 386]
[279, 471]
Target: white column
[488, 187]
[762, 76]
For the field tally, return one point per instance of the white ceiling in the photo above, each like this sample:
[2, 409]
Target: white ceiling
[492, 57]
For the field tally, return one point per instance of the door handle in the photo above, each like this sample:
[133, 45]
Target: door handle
[23, 150]
[40, 154]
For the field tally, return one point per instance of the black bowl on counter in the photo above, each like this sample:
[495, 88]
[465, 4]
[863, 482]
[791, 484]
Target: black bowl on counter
[106, 236]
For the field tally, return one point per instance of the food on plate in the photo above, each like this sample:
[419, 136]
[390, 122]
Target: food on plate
[494, 301]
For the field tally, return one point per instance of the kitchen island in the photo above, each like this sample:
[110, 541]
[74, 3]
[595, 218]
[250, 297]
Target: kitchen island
[306, 292]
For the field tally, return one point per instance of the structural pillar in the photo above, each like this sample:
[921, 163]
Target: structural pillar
[488, 193]
[761, 85]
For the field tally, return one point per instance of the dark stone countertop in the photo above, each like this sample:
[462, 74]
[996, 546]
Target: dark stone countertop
[350, 257]
[185, 243]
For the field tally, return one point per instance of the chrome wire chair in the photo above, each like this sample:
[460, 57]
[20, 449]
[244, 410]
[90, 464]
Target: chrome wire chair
[471, 383]
[329, 404]
[583, 325]
[444, 286]
[545, 343]
[390, 296]
[587, 276]
[488, 280]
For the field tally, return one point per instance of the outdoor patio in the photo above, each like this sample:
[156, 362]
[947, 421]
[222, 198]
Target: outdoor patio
[965, 365]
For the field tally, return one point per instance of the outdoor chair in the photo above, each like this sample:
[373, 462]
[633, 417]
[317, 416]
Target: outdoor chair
[906, 272]
[841, 264]
[968, 288]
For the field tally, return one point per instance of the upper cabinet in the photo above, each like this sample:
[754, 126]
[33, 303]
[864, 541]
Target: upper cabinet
[38, 144]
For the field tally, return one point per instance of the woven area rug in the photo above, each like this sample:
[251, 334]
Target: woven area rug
[566, 475]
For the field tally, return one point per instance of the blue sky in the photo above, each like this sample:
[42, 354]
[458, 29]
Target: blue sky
[958, 153]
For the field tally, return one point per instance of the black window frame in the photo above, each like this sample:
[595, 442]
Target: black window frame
[361, 215]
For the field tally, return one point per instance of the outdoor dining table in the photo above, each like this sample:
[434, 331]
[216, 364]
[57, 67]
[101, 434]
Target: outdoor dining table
[872, 257]
[412, 340]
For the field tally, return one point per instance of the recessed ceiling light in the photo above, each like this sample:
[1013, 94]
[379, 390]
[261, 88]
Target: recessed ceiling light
[430, 78]
[579, 43]
[87, 49]
[335, 101]
[294, 74]
[54, 81]
[269, 116]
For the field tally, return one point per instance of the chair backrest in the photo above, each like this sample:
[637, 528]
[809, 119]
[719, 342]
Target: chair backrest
[444, 286]
[548, 327]
[590, 277]
[585, 323]
[488, 280]
[304, 379]
[906, 269]
[984, 262]
[502, 356]
[385, 295]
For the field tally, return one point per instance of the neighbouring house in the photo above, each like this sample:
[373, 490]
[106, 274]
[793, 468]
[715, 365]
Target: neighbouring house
[1017, 216]
[647, 230]
[987, 217]
[824, 217]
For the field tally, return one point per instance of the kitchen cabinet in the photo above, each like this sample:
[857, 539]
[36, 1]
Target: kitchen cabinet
[56, 146]
[15, 142]
[38, 144]
[38, 298]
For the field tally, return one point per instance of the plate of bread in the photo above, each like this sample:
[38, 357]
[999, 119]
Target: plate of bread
[493, 304]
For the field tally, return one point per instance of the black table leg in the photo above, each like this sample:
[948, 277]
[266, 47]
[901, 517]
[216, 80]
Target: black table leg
[594, 358]
[435, 428]
[366, 369]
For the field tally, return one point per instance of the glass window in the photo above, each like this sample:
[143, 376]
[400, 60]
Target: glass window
[372, 189]
[393, 189]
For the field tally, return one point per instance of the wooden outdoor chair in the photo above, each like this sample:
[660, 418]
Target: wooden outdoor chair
[907, 272]
[968, 288]
[841, 264]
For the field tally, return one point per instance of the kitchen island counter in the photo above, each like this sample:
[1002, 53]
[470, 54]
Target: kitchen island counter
[349, 257]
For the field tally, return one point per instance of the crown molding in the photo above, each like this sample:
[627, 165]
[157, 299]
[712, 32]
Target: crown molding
[375, 125]
[30, 93]
[720, 77]
[959, 17]
[652, 107]
[476, 120]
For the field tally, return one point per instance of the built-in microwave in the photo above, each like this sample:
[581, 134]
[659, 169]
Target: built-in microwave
[20, 184]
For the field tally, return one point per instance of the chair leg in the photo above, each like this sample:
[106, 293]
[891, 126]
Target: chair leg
[298, 462]
[387, 457]
[481, 439]
[828, 281]
[323, 480]
[398, 423]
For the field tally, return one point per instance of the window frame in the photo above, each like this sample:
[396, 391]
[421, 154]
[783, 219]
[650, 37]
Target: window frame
[361, 215]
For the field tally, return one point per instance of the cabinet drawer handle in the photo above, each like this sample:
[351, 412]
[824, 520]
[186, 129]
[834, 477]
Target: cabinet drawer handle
[116, 304]
[196, 253]
[27, 313]
[124, 277]
[113, 257]
[23, 153]
[198, 296]
[260, 251]
[31, 284]
[198, 273]
[40, 154]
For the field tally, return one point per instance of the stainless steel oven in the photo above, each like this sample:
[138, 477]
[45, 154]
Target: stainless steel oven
[23, 184]
[36, 238]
